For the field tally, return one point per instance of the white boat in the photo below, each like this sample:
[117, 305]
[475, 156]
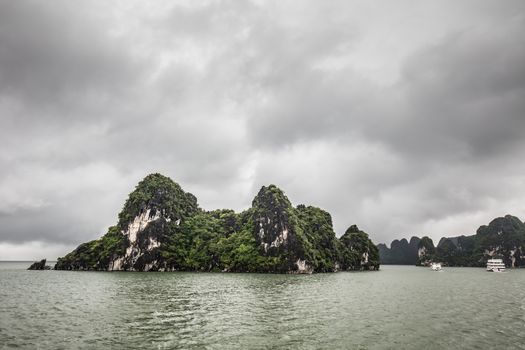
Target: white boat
[495, 265]
[435, 266]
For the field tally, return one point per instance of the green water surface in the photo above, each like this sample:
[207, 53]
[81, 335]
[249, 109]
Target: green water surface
[399, 307]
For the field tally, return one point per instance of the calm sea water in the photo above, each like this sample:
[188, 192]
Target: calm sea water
[395, 308]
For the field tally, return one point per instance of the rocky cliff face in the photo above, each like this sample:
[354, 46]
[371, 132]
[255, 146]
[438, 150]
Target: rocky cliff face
[39, 265]
[425, 251]
[161, 228]
[157, 206]
[359, 251]
[154, 208]
[503, 237]
[276, 228]
[142, 242]
[401, 252]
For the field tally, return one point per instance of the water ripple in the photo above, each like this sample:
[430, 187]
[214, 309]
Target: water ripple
[396, 308]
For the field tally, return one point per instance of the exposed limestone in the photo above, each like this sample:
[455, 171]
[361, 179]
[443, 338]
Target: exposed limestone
[364, 258]
[116, 265]
[161, 228]
[302, 267]
[140, 222]
[421, 252]
[502, 238]
[281, 239]
[135, 250]
[153, 244]
[361, 253]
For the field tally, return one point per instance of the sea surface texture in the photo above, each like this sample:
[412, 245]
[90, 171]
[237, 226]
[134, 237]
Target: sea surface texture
[394, 308]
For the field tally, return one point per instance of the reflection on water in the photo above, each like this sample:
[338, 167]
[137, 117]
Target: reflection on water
[395, 308]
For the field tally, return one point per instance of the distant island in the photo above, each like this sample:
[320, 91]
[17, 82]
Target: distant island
[503, 237]
[162, 228]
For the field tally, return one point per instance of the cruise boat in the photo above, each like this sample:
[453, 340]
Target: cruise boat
[495, 265]
[435, 266]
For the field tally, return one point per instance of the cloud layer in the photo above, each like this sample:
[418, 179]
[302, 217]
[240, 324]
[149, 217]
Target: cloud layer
[402, 118]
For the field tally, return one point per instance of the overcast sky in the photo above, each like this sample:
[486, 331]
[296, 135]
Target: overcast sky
[405, 118]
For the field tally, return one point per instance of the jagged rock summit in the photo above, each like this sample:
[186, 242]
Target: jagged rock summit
[162, 228]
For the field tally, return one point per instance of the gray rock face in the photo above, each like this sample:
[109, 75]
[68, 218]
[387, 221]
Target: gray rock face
[152, 212]
[359, 252]
[503, 238]
[425, 252]
[272, 221]
[143, 242]
[39, 265]
[401, 252]
[276, 228]
[162, 228]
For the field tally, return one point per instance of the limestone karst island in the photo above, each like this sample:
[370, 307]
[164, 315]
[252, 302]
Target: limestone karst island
[162, 228]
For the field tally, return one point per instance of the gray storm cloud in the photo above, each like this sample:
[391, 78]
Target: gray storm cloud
[402, 118]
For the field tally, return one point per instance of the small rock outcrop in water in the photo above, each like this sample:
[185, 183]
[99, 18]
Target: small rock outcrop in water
[39, 265]
[162, 228]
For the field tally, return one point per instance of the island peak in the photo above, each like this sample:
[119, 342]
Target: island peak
[162, 228]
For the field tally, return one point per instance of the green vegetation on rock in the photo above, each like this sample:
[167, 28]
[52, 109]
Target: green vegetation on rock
[95, 255]
[158, 192]
[358, 250]
[162, 228]
[401, 252]
[503, 237]
[425, 251]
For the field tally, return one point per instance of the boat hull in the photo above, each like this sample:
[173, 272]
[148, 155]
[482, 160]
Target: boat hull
[495, 265]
